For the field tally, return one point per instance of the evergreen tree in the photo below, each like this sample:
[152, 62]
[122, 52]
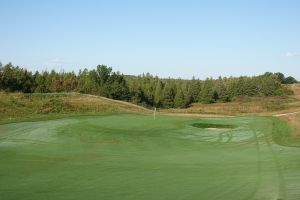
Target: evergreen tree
[116, 87]
[145, 89]
[221, 90]
[158, 94]
[179, 101]
[169, 95]
[40, 86]
[208, 93]
[137, 96]
[194, 90]
[281, 77]
[290, 80]
[103, 74]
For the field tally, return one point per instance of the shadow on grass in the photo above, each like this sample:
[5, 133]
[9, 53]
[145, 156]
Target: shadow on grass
[208, 125]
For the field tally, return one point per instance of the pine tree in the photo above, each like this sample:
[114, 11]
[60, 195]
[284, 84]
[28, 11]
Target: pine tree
[208, 93]
[194, 90]
[179, 101]
[221, 90]
[158, 94]
[168, 95]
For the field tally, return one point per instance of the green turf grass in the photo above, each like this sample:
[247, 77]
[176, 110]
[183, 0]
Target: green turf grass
[133, 157]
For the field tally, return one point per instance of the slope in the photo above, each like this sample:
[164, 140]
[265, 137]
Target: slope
[19, 106]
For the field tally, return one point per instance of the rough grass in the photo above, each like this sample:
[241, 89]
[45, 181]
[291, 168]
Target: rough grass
[296, 90]
[294, 121]
[244, 106]
[135, 157]
[16, 106]
[286, 132]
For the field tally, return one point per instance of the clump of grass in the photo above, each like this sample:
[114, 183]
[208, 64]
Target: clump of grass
[275, 105]
[56, 105]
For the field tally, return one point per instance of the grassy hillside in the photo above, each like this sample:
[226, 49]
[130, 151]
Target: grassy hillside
[15, 106]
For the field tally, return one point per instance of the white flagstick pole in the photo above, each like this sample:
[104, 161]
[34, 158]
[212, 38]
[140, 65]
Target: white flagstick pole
[154, 113]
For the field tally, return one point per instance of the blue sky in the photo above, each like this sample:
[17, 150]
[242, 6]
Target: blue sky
[166, 38]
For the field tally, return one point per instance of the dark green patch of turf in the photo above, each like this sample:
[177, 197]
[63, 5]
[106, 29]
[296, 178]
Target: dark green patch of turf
[220, 126]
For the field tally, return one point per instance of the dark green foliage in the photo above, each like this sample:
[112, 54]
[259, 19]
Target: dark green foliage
[158, 94]
[280, 76]
[168, 95]
[194, 89]
[137, 95]
[146, 89]
[221, 90]
[115, 87]
[103, 74]
[285, 80]
[41, 85]
[16, 79]
[85, 83]
[208, 93]
[179, 101]
[290, 80]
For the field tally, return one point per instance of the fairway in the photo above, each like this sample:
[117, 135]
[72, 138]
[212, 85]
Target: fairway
[134, 157]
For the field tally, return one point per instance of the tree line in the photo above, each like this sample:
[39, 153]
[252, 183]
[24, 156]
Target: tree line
[146, 89]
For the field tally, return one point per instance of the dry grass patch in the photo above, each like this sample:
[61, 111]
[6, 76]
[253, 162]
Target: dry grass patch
[244, 106]
[294, 120]
[296, 89]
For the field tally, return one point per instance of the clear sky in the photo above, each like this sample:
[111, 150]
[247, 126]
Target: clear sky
[166, 38]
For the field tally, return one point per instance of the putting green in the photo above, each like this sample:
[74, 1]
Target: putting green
[134, 157]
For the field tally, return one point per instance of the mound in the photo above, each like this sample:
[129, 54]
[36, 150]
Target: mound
[15, 106]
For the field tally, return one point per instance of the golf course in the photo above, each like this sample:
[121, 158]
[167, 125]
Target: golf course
[134, 156]
[149, 100]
